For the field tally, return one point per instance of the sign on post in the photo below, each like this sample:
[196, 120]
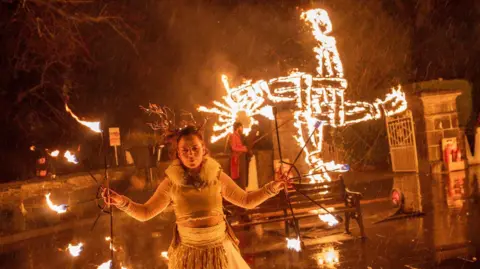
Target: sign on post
[114, 136]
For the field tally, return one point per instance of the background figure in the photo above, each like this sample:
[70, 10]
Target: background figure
[238, 156]
[252, 140]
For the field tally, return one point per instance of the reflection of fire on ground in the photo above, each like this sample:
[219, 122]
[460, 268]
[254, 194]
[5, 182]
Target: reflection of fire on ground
[450, 228]
[408, 187]
[329, 257]
[455, 189]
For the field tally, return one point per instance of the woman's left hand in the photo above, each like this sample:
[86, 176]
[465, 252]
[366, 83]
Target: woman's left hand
[282, 179]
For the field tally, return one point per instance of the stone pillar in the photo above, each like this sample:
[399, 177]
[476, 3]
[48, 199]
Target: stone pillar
[409, 185]
[441, 121]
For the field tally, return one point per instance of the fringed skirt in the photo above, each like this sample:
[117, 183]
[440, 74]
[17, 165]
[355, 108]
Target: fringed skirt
[204, 248]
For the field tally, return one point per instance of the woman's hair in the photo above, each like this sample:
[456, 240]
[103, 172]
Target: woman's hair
[189, 130]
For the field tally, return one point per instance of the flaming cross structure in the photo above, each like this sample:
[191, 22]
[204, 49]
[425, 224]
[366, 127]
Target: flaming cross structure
[316, 98]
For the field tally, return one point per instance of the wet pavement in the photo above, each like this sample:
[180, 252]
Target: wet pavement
[447, 235]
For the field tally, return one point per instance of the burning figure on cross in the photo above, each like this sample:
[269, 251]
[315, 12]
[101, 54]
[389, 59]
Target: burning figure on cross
[318, 99]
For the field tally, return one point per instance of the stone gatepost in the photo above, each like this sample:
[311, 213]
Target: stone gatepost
[441, 121]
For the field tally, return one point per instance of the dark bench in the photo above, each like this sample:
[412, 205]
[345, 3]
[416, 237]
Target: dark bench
[332, 194]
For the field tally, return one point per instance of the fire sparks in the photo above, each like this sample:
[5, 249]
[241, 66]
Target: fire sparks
[75, 249]
[60, 209]
[92, 125]
[54, 153]
[318, 99]
[329, 257]
[294, 244]
[70, 157]
[241, 103]
[32, 148]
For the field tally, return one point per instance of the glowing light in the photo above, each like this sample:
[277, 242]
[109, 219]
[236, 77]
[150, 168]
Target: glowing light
[60, 209]
[70, 157]
[105, 265]
[294, 244]
[247, 99]
[329, 219]
[325, 216]
[164, 255]
[328, 257]
[55, 153]
[318, 100]
[109, 239]
[32, 148]
[75, 249]
[92, 125]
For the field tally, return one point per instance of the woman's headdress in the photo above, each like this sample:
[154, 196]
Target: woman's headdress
[167, 124]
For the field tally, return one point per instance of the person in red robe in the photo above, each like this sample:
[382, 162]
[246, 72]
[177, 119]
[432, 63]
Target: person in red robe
[238, 162]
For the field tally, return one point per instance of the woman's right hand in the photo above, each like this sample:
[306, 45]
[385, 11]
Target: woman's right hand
[115, 198]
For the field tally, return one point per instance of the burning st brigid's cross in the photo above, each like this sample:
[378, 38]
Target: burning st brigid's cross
[318, 99]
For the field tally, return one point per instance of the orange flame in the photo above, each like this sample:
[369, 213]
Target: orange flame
[92, 125]
[319, 100]
[294, 244]
[70, 157]
[325, 216]
[75, 249]
[105, 265]
[60, 209]
[246, 99]
[55, 153]
[109, 239]
[164, 254]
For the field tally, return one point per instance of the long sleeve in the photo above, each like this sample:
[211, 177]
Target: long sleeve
[235, 195]
[236, 144]
[154, 206]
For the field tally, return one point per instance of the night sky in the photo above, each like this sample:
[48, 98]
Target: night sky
[106, 58]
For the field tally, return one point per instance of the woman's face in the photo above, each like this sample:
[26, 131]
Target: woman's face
[191, 151]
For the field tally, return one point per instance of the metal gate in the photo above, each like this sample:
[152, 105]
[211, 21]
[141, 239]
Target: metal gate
[401, 139]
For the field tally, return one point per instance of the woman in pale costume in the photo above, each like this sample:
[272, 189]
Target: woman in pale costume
[196, 184]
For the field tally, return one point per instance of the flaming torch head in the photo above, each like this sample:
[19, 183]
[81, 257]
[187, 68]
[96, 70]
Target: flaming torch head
[75, 250]
[294, 244]
[70, 157]
[55, 153]
[92, 125]
[60, 209]
[105, 265]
